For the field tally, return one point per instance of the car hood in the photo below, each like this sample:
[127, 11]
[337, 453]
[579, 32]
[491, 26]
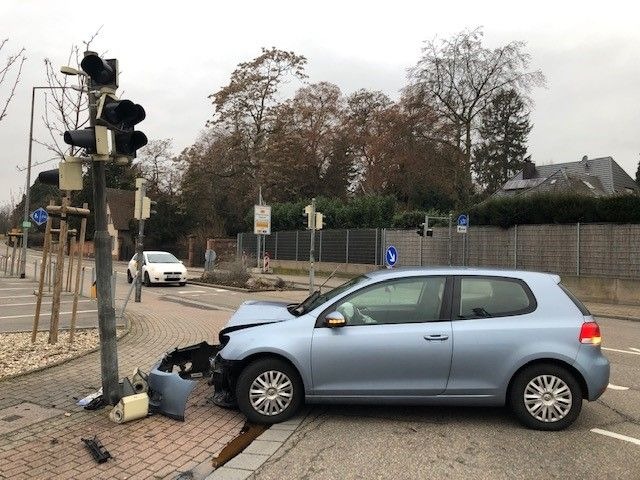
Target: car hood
[255, 312]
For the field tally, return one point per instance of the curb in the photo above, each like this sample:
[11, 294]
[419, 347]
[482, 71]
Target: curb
[616, 317]
[238, 289]
[264, 447]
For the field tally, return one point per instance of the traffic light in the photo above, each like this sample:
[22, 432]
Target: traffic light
[420, 230]
[50, 177]
[94, 141]
[319, 221]
[113, 136]
[307, 216]
[103, 73]
[67, 177]
[120, 116]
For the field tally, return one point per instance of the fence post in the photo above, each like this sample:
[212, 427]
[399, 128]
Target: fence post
[297, 232]
[275, 253]
[346, 257]
[375, 250]
[515, 247]
[578, 250]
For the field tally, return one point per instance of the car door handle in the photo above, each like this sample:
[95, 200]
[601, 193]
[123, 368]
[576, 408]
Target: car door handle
[436, 337]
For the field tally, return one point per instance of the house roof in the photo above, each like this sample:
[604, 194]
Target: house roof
[121, 204]
[612, 177]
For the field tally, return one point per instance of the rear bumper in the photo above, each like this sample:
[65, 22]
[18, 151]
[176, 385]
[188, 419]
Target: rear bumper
[594, 367]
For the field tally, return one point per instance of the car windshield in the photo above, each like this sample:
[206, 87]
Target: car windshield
[316, 298]
[161, 257]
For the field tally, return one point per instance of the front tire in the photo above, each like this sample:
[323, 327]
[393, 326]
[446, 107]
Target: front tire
[269, 391]
[147, 280]
[546, 397]
[129, 277]
[182, 284]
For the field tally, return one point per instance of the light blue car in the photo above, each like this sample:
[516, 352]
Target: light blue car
[422, 336]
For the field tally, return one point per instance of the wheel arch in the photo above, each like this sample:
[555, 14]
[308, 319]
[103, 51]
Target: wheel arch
[550, 361]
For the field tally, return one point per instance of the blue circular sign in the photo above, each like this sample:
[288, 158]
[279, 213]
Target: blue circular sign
[463, 220]
[391, 255]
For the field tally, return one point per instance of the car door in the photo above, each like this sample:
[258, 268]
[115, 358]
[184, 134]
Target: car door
[492, 321]
[397, 341]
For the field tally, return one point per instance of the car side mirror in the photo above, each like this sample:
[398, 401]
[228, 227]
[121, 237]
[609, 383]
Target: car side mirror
[334, 320]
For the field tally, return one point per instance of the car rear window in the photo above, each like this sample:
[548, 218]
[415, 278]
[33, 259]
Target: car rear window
[584, 310]
[484, 297]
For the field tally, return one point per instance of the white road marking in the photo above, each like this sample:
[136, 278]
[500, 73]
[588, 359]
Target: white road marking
[616, 387]
[18, 288]
[192, 291]
[34, 303]
[620, 351]
[616, 435]
[61, 313]
[635, 349]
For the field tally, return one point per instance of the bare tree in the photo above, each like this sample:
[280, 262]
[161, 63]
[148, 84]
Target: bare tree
[160, 167]
[66, 107]
[460, 77]
[10, 72]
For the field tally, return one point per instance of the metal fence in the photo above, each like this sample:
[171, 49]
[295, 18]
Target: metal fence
[608, 250]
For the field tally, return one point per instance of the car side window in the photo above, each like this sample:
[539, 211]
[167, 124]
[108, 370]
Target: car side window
[410, 300]
[482, 297]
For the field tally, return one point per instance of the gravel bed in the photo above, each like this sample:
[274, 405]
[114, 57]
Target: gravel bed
[19, 355]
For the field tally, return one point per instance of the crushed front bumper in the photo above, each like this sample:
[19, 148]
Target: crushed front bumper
[224, 375]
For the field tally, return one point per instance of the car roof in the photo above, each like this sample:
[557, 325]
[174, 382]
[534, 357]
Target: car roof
[484, 271]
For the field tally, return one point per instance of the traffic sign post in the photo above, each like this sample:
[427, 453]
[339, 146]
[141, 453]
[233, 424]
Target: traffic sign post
[463, 226]
[391, 256]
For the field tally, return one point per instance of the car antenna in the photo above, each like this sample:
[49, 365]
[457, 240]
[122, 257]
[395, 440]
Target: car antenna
[328, 278]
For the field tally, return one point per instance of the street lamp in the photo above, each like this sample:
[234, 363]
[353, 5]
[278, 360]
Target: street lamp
[25, 229]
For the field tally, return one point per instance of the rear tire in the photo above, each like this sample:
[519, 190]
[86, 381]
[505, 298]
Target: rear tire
[546, 397]
[147, 280]
[269, 391]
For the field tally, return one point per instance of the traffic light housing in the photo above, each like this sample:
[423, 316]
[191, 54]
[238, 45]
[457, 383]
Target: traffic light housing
[103, 73]
[94, 141]
[319, 221]
[50, 177]
[420, 230]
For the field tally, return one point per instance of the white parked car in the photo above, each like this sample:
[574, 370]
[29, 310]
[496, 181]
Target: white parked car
[158, 267]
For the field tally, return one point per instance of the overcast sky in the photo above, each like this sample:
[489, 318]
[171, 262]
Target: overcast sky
[174, 54]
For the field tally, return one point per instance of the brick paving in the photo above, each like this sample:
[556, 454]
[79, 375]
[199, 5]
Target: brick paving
[155, 447]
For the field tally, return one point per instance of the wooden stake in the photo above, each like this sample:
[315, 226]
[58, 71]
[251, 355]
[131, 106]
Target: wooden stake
[57, 283]
[74, 312]
[43, 270]
[71, 261]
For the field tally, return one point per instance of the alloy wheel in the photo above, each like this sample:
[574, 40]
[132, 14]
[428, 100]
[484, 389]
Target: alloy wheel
[271, 393]
[548, 398]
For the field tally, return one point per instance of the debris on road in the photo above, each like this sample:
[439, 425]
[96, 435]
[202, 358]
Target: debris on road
[131, 407]
[83, 402]
[99, 453]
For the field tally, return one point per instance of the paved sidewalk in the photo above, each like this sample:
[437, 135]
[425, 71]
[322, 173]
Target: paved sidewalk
[156, 447]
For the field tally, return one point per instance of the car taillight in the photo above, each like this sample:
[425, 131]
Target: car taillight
[590, 333]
